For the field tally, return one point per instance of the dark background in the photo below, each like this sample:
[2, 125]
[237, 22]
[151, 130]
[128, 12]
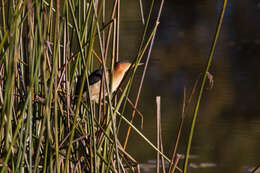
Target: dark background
[227, 131]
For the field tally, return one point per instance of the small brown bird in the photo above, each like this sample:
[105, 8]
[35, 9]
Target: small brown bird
[95, 78]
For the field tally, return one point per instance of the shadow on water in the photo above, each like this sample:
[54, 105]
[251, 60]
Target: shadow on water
[227, 133]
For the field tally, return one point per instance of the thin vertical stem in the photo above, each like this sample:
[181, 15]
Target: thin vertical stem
[158, 105]
[220, 21]
[117, 30]
[55, 66]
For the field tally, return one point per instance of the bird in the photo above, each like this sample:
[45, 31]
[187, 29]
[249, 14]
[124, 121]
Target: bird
[120, 69]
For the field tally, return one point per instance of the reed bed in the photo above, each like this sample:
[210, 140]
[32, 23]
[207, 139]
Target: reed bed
[48, 48]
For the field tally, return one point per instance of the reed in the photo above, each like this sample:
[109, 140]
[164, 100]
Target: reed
[205, 75]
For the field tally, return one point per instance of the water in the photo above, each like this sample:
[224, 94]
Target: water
[227, 133]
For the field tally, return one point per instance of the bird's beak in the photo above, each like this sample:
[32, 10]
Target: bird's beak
[138, 65]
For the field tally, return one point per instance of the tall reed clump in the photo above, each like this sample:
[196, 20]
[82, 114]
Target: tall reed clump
[44, 47]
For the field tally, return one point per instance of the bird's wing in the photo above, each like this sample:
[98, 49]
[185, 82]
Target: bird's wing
[95, 76]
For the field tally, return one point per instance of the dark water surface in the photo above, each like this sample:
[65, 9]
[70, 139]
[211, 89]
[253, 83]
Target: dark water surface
[227, 132]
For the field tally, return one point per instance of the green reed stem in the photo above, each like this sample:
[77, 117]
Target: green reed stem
[220, 21]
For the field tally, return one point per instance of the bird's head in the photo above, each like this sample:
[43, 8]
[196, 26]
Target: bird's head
[123, 66]
[120, 70]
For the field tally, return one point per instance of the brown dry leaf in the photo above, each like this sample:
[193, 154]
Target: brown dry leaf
[211, 80]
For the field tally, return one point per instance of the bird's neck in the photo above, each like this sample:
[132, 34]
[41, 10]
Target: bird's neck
[118, 76]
